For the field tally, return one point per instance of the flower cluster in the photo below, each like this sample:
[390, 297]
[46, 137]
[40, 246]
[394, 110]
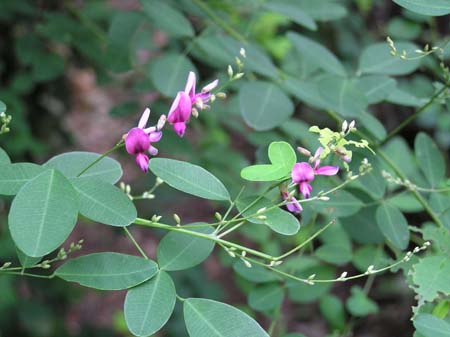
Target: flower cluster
[139, 140]
[303, 174]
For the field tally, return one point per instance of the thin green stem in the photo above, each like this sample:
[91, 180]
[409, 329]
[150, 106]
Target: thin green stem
[27, 274]
[111, 150]
[138, 247]
[232, 229]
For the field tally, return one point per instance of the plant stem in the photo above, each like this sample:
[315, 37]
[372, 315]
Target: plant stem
[139, 248]
[111, 150]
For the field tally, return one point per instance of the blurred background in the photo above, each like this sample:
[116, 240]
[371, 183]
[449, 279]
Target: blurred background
[76, 75]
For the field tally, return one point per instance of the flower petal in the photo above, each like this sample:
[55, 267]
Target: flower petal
[180, 128]
[137, 141]
[305, 189]
[302, 172]
[153, 150]
[173, 108]
[155, 136]
[294, 206]
[327, 170]
[210, 86]
[142, 161]
[190, 85]
[144, 118]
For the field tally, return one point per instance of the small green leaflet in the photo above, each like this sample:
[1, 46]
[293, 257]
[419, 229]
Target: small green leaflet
[393, 225]
[426, 7]
[283, 158]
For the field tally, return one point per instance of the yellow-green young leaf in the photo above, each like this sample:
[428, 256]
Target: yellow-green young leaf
[316, 54]
[333, 310]
[166, 18]
[426, 7]
[276, 219]
[293, 11]
[170, 72]
[266, 297]
[178, 251]
[149, 306]
[103, 202]
[281, 155]
[393, 225]
[431, 326]
[264, 105]
[14, 176]
[442, 309]
[377, 59]
[71, 164]
[43, 214]
[206, 318]
[107, 271]
[4, 158]
[189, 178]
[27, 261]
[359, 305]
[429, 158]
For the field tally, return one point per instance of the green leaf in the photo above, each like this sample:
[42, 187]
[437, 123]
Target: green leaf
[333, 310]
[281, 155]
[277, 219]
[104, 203]
[306, 91]
[189, 178]
[317, 54]
[324, 10]
[256, 274]
[178, 251]
[359, 305]
[207, 318]
[107, 271]
[264, 105]
[4, 158]
[27, 261]
[402, 97]
[43, 214]
[431, 276]
[342, 95]
[14, 176]
[393, 225]
[431, 326]
[293, 11]
[376, 88]
[71, 164]
[426, 7]
[376, 59]
[169, 73]
[2, 107]
[149, 306]
[362, 226]
[335, 253]
[341, 203]
[266, 297]
[167, 18]
[429, 158]
[369, 255]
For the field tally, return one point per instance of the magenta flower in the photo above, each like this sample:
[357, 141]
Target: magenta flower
[138, 141]
[303, 173]
[292, 204]
[182, 106]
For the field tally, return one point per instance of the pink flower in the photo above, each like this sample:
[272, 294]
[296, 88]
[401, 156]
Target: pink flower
[292, 204]
[139, 140]
[182, 107]
[303, 173]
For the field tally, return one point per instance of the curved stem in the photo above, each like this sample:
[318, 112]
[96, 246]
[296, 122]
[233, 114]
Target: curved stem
[139, 248]
[111, 150]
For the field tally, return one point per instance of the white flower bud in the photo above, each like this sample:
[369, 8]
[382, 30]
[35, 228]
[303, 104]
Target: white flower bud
[161, 122]
[230, 71]
[238, 76]
[242, 52]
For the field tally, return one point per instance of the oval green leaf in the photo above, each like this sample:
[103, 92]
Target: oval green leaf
[103, 202]
[256, 274]
[206, 318]
[14, 176]
[4, 158]
[266, 297]
[429, 158]
[178, 251]
[426, 7]
[71, 164]
[264, 106]
[293, 11]
[43, 214]
[107, 271]
[149, 306]
[376, 88]
[189, 178]
[393, 225]
[27, 261]
[170, 72]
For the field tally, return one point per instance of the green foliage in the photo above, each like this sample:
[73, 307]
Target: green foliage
[333, 310]
[104, 203]
[282, 157]
[107, 271]
[266, 297]
[189, 178]
[205, 318]
[431, 276]
[149, 305]
[14, 176]
[293, 11]
[4, 158]
[429, 159]
[258, 100]
[359, 305]
[431, 326]
[426, 7]
[178, 251]
[393, 225]
[45, 226]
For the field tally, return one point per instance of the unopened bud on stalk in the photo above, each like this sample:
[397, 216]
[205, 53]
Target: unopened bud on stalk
[262, 217]
[261, 210]
[247, 263]
[303, 151]
[230, 71]
[218, 216]
[158, 181]
[324, 198]
[344, 126]
[221, 95]
[161, 122]
[242, 52]
[238, 76]
[195, 112]
[177, 218]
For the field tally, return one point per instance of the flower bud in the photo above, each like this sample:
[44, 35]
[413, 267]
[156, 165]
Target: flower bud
[243, 53]
[230, 71]
[303, 151]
